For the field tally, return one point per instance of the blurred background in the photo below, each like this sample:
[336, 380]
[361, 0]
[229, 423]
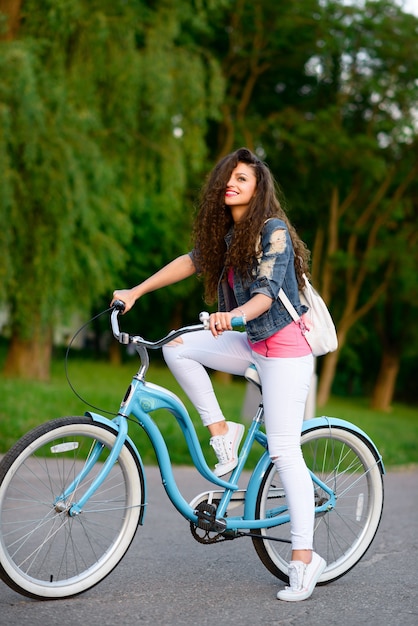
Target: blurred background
[112, 112]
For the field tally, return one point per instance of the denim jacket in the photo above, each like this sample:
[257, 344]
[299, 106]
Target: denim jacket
[275, 269]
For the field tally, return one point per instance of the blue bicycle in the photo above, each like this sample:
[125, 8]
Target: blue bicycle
[73, 490]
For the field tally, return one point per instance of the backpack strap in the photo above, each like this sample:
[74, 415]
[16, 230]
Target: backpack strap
[289, 306]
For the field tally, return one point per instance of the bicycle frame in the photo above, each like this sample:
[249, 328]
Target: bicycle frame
[141, 399]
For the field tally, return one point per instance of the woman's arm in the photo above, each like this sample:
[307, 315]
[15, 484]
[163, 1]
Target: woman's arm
[256, 306]
[182, 267]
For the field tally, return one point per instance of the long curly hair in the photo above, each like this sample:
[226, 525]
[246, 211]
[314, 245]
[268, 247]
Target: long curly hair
[214, 221]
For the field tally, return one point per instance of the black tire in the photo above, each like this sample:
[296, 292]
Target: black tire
[347, 463]
[44, 552]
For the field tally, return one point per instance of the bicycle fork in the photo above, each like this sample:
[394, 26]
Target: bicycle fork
[74, 509]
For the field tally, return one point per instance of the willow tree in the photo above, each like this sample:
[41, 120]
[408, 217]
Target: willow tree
[104, 108]
[57, 194]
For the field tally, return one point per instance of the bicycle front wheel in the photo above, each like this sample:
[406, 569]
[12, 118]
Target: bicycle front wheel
[44, 551]
[345, 463]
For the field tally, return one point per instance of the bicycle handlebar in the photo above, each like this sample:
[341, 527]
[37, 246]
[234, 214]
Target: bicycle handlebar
[125, 338]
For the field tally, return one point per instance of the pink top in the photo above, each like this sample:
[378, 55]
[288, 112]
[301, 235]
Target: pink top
[287, 343]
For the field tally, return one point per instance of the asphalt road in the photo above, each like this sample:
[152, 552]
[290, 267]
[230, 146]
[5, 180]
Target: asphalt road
[168, 578]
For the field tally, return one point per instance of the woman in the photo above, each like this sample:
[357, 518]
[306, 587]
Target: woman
[246, 249]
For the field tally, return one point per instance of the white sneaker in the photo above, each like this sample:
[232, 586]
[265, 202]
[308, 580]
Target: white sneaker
[226, 448]
[302, 579]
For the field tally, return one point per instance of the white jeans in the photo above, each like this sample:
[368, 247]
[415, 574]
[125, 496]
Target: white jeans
[285, 389]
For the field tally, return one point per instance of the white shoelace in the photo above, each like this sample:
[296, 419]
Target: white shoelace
[220, 447]
[296, 576]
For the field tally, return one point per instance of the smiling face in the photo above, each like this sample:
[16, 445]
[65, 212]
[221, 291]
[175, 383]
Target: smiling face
[240, 190]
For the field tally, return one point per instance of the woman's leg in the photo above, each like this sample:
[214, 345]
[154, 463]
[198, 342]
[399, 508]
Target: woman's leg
[197, 351]
[285, 388]
[188, 360]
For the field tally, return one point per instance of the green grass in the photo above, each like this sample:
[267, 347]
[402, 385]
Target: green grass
[27, 404]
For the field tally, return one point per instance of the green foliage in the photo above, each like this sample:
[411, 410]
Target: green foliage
[104, 112]
[57, 195]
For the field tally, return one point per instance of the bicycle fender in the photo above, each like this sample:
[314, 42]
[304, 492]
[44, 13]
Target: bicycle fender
[311, 424]
[317, 422]
[114, 426]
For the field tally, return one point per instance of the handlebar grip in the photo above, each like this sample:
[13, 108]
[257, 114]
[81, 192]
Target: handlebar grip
[119, 305]
[236, 322]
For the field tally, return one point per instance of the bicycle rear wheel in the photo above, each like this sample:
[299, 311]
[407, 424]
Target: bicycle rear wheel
[346, 463]
[44, 552]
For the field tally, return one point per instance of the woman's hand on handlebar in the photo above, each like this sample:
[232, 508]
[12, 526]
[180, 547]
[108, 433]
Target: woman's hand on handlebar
[219, 322]
[126, 296]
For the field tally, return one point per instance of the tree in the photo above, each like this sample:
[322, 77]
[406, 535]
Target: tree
[98, 132]
[262, 48]
[372, 116]
[180, 90]
[394, 317]
[57, 191]
[326, 93]
[10, 14]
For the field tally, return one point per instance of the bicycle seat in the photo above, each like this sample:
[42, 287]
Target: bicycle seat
[251, 375]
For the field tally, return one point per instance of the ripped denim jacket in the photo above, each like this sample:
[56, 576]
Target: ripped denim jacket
[275, 269]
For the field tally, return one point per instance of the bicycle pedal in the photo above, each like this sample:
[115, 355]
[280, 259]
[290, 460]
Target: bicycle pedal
[206, 515]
